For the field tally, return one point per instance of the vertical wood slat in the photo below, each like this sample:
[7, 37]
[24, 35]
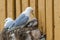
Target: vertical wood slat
[49, 22]
[10, 8]
[57, 19]
[24, 4]
[2, 13]
[41, 15]
[18, 7]
[32, 4]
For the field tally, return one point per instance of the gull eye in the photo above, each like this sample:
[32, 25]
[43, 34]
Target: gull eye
[6, 20]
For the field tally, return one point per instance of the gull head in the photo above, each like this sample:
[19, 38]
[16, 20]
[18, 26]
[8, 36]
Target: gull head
[28, 10]
[8, 19]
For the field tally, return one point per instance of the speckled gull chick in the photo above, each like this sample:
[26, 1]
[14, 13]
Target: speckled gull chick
[32, 23]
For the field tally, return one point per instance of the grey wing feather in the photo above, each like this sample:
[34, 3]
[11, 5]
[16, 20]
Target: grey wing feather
[12, 25]
[19, 17]
[21, 21]
[24, 20]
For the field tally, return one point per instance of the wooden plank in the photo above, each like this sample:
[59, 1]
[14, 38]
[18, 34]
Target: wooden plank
[32, 4]
[18, 7]
[41, 15]
[24, 4]
[10, 8]
[2, 13]
[57, 19]
[49, 20]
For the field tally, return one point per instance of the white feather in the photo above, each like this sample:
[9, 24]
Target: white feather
[27, 11]
[23, 18]
[7, 22]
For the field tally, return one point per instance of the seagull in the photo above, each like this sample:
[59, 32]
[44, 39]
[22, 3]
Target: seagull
[8, 21]
[23, 18]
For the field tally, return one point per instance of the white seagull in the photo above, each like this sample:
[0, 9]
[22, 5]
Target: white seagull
[8, 22]
[23, 18]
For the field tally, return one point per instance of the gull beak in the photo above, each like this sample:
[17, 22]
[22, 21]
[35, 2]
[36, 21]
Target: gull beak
[32, 13]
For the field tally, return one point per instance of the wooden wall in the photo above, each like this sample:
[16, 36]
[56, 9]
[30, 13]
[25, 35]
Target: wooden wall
[46, 11]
